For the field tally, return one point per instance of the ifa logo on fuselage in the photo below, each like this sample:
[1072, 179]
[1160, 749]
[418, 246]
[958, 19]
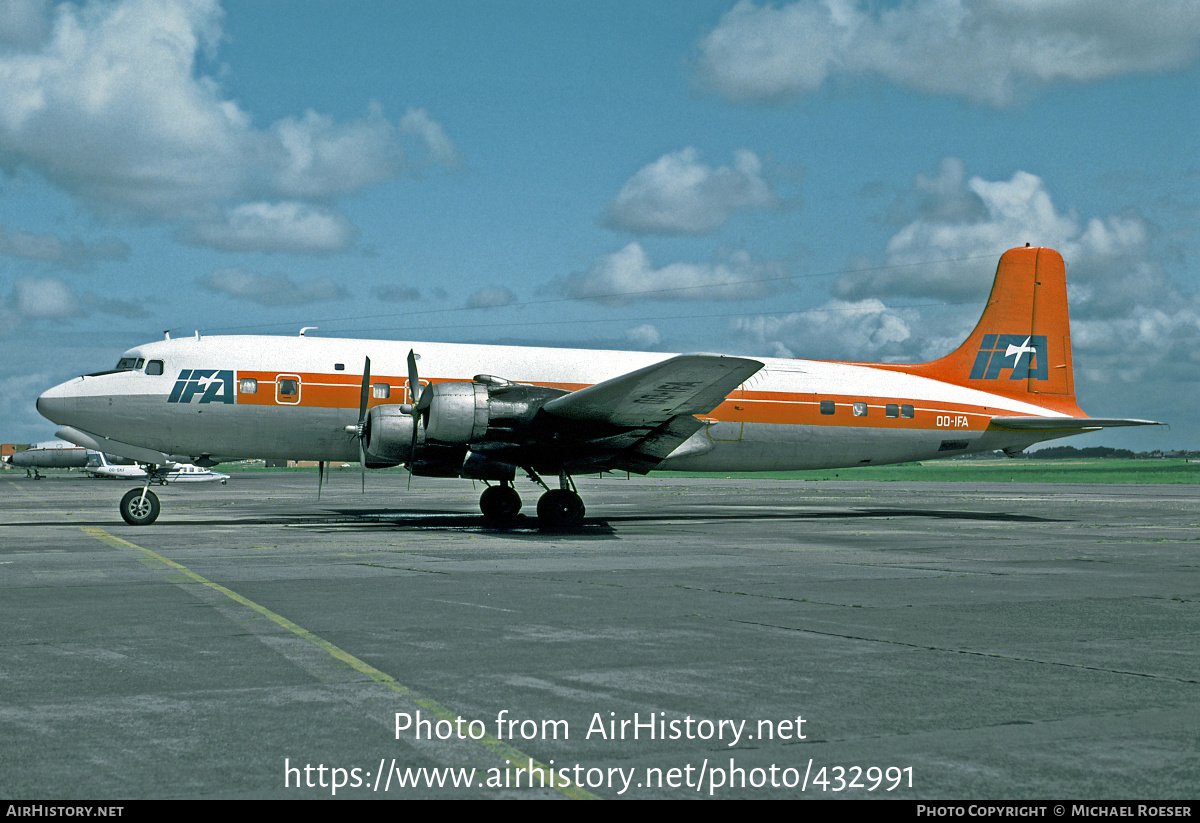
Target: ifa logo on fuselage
[1025, 354]
[210, 385]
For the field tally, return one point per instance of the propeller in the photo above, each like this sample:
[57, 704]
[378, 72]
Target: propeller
[416, 395]
[359, 430]
[320, 477]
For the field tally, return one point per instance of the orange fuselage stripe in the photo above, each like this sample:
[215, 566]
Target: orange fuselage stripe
[341, 391]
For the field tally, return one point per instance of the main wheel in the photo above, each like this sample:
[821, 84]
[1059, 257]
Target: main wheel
[560, 509]
[139, 511]
[500, 505]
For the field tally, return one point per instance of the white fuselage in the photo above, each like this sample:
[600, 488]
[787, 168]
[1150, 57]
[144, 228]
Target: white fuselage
[231, 397]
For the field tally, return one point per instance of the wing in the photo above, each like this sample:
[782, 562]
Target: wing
[686, 384]
[1056, 424]
[633, 421]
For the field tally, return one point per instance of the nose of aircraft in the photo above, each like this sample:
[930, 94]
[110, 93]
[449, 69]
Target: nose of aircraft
[56, 403]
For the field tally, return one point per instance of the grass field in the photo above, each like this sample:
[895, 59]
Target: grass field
[1000, 471]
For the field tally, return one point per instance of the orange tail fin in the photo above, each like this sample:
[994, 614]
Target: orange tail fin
[1021, 347]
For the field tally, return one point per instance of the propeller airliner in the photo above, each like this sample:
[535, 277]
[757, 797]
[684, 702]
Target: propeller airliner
[490, 413]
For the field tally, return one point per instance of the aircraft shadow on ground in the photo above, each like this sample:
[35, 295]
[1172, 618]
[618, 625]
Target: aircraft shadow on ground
[340, 520]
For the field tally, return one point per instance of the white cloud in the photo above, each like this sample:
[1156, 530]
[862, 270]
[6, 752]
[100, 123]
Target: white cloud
[491, 297]
[630, 274]
[979, 49]
[51, 248]
[51, 298]
[960, 218]
[677, 194]
[643, 336]
[318, 157]
[110, 108]
[271, 290]
[1129, 321]
[859, 330]
[437, 146]
[290, 226]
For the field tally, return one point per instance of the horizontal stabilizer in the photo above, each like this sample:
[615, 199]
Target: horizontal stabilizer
[1055, 424]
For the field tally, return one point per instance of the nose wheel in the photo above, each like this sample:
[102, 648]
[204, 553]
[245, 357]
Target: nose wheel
[139, 507]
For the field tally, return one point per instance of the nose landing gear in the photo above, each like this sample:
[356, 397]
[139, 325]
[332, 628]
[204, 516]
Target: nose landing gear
[139, 507]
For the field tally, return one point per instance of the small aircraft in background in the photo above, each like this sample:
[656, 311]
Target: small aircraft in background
[559, 412]
[99, 465]
[52, 454]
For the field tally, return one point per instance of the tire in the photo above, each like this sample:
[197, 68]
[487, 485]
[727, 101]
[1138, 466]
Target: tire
[500, 505]
[138, 512]
[560, 509]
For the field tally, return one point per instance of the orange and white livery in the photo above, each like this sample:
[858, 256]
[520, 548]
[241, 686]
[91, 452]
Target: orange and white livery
[495, 412]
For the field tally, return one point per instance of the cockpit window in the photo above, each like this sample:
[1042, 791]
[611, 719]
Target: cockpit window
[154, 367]
[124, 364]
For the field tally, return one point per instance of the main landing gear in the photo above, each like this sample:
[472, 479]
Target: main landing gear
[560, 508]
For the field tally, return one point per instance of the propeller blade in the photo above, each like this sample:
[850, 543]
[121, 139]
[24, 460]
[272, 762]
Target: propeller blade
[363, 397]
[414, 384]
[412, 454]
[365, 394]
[320, 477]
[414, 397]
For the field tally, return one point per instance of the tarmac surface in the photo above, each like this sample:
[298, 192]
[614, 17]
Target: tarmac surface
[696, 638]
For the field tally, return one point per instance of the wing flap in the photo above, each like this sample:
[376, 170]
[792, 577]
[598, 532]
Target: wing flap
[682, 385]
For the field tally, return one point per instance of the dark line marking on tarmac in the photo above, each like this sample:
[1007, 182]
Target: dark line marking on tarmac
[968, 652]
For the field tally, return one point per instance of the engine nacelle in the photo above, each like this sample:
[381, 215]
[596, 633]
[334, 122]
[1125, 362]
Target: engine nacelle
[458, 412]
[479, 429]
[388, 436]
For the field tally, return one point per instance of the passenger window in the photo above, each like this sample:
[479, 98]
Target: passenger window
[248, 385]
[892, 410]
[827, 407]
[381, 391]
[154, 367]
[860, 409]
[906, 410]
[287, 389]
[339, 366]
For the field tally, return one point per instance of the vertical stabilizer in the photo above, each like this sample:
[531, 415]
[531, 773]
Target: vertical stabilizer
[1021, 346]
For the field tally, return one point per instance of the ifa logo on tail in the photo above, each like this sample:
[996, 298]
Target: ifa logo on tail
[1025, 354]
[211, 385]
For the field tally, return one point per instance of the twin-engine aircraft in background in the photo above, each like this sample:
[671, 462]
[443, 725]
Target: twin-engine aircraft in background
[559, 412]
[98, 465]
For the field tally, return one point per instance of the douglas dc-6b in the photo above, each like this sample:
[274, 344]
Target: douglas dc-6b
[490, 412]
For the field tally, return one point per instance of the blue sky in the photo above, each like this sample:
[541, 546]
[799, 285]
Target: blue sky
[824, 179]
